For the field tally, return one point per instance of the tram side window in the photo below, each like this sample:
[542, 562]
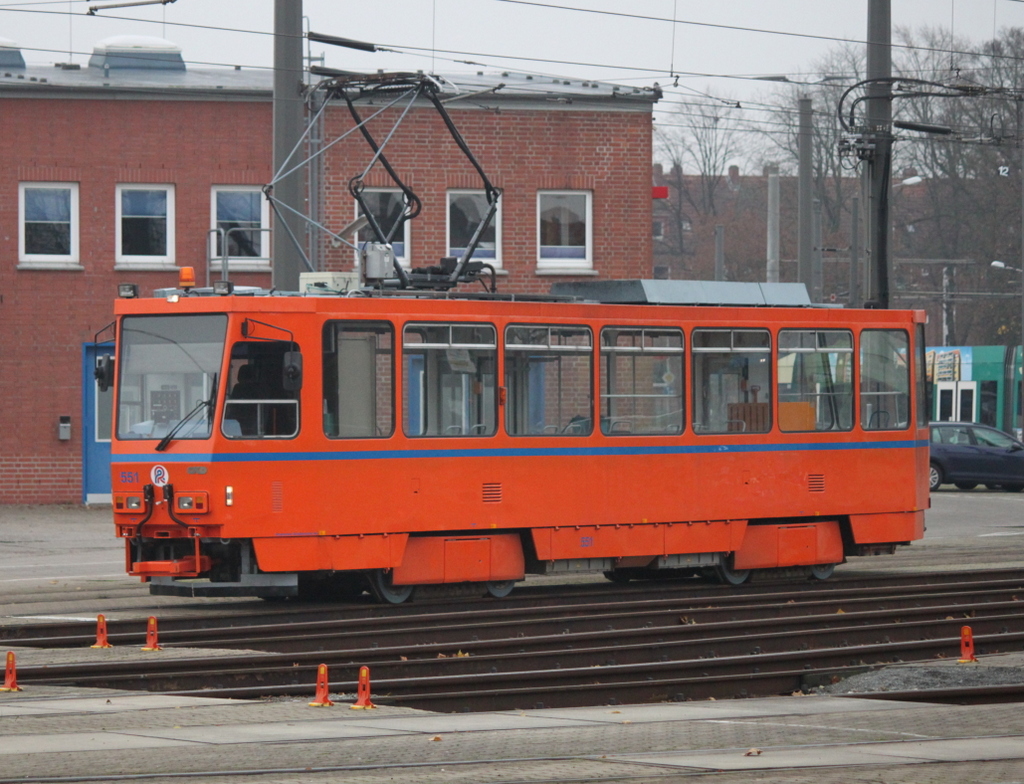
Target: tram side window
[358, 367]
[549, 377]
[449, 380]
[884, 379]
[641, 381]
[258, 405]
[815, 380]
[732, 380]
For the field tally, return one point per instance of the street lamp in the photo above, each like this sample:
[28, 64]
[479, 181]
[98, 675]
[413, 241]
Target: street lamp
[1001, 265]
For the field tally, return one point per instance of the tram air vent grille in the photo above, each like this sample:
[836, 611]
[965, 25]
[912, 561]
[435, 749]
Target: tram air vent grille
[816, 483]
[277, 496]
[492, 492]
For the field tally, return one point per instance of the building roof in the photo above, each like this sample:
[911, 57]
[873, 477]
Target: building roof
[153, 67]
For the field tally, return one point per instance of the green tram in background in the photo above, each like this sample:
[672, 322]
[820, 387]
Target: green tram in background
[976, 384]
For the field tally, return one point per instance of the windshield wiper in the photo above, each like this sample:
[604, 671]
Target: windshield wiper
[208, 403]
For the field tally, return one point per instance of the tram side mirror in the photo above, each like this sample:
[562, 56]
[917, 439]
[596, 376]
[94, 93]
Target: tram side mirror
[292, 371]
[104, 372]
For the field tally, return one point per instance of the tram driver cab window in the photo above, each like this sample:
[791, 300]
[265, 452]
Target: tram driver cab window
[258, 405]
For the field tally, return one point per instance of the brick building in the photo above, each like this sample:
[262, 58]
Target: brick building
[124, 170]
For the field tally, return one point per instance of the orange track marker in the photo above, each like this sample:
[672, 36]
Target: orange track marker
[323, 692]
[363, 694]
[10, 675]
[151, 636]
[101, 633]
[966, 646]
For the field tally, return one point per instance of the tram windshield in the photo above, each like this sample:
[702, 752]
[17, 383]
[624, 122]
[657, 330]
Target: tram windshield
[168, 373]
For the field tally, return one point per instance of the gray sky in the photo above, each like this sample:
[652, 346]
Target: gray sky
[609, 47]
[780, 36]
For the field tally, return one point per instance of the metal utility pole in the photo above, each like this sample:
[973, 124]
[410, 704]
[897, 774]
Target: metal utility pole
[879, 173]
[817, 285]
[805, 241]
[855, 278]
[719, 253]
[773, 225]
[289, 120]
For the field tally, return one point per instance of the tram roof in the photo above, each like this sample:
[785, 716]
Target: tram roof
[612, 292]
[686, 292]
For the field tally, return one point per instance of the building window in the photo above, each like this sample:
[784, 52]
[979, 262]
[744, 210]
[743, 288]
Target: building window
[466, 209]
[242, 219]
[48, 221]
[145, 220]
[658, 230]
[386, 206]
[564, 228]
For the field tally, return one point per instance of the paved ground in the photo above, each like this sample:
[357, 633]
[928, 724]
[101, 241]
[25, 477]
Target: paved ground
[70, 557]
[824, 739]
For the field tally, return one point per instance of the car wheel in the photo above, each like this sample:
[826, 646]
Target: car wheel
[934, 477]
[966, 485]
[992, 487]
[1013, 488]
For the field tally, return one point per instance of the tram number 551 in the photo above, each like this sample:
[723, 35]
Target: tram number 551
[130, 477]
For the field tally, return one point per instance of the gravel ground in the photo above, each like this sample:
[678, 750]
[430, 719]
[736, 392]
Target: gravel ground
[994, 670]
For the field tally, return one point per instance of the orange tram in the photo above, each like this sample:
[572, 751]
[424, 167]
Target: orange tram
[275, 444]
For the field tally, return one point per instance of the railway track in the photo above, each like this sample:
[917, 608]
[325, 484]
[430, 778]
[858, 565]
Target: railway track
[661, 645]
[281, 622]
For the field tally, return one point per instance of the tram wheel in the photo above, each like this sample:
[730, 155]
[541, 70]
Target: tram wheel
[822, 571]
[617, 576]
[499, 589]
[385, 590]
[1014, 488]
[726, 574]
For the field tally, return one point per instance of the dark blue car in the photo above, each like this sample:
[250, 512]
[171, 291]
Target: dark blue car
[967, 455]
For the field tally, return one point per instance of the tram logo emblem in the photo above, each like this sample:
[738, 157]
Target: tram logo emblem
[158, 475]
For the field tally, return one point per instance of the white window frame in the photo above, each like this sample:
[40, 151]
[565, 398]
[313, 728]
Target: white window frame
[48, 258]
[561, 263]
[404, 259]
[138, 261]
[496, 221]
[241, 263]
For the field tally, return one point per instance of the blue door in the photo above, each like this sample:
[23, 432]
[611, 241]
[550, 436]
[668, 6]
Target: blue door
[97, 421]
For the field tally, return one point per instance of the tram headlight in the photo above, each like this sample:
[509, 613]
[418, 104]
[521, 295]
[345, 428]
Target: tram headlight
[133, 502]
[186, 502]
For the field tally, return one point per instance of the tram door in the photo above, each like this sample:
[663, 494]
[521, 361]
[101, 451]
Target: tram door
[97, 423]
[956, 401]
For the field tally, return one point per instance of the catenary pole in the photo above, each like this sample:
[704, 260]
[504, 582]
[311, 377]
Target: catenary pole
[879, 121]
[289, 116]
[772, 271]
[805, 240]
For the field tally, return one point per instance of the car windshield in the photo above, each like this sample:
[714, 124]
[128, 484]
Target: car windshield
[168, 366]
